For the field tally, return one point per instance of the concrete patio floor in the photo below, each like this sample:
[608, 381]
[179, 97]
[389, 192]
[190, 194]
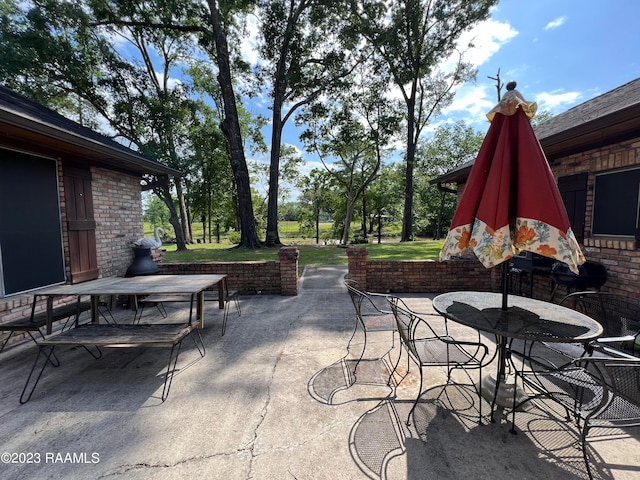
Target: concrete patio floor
[270, 401]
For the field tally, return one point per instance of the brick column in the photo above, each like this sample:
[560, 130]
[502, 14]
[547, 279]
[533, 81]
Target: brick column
[288, 270]
[357, 256]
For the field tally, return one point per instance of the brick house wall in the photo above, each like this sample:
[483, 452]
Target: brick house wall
[117, 210]
[620, 256]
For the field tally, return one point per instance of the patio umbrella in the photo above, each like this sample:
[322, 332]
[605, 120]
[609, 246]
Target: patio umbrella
[511, 202]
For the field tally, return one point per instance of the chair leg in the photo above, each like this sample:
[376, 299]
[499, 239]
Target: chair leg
[161, 309]
[395, 366]
[415, 403]
[235, 298]
[583, 439]
[364, 348]
[199, 343]
[225, 316]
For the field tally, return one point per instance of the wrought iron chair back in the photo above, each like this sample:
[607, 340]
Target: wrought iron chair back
[371, 316]
[618, 315]
[431, 345]
[600, 392]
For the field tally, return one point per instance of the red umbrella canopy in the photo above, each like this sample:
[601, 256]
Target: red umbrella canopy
[511, 202]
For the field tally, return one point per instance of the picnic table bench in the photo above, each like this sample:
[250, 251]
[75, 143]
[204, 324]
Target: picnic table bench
[36, 321]
[118, 336]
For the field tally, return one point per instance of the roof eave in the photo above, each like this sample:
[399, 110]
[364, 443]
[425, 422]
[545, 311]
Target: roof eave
[105, 153]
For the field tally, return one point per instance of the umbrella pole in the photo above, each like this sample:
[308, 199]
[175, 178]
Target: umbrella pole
[505, 286]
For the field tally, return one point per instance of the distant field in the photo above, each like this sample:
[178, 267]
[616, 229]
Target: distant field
[309, 254]
[289, 233]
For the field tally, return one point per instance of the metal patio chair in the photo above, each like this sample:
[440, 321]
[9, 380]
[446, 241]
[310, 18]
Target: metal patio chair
[428, 343]
[372, 315]
[620, 319]
[619, 316]
[598, 391]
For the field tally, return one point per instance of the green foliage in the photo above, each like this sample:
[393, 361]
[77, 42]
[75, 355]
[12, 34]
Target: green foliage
[64, 55]
[156, 213]
[413, 38]
[234, 237]
[449, 148]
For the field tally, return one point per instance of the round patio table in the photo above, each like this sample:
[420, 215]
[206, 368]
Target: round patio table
[525, 319]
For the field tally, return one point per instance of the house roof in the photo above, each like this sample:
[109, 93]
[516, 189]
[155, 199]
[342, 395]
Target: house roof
[603, 120]
[609, 118]
[25, 121]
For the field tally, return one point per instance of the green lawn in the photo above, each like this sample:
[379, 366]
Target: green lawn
[309, 254]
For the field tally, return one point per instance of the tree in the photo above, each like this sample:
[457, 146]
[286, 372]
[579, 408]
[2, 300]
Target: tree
[450, 147]
[353, 130]
[314, 189]
[384, 198]
[230, 125]
[306, 56]
[414, 37]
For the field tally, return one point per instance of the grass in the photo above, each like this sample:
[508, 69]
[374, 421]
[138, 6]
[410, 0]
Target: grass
[309, 254]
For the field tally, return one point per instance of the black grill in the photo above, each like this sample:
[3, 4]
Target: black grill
[592, 275]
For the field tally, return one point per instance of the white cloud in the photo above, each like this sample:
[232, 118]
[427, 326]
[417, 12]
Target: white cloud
[486, 39]
[473, 101]
[249, 45]
[556, 101]
[555, 23]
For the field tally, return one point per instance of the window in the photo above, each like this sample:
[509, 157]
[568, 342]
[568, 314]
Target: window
[31, 251]
[616, 202]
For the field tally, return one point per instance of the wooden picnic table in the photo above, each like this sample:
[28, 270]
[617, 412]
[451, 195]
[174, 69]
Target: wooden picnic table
[193, 285]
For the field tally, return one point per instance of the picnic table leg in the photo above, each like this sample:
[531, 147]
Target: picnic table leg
[200, 309]
[222, 287]
[47, 359]
[197, 339]
[171, 369]
[95, 309]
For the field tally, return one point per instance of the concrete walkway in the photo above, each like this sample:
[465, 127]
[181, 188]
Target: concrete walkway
[270, 401]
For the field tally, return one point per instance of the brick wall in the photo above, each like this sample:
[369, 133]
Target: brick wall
[271, 277]
[117, 206]
[620, 256]
[421, 276]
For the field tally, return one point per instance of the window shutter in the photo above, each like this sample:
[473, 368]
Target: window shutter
[81, 224]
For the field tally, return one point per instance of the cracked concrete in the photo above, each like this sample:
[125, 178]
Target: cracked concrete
[248, 410]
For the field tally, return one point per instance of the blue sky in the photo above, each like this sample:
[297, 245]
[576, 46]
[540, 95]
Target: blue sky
[560, 52]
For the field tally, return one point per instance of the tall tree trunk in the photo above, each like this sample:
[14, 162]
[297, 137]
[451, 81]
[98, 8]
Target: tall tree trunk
[364, 216]
[317, 215]
[407, 216]
[164, 193]
[230, 126]
[272, 237]
[184, 218]
[347, 219]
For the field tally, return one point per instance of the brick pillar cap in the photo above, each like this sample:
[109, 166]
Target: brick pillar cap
[357, 250]
[288, 252]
